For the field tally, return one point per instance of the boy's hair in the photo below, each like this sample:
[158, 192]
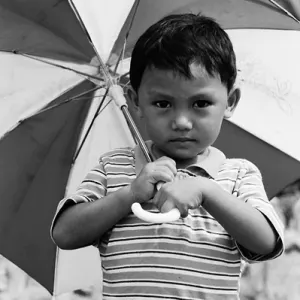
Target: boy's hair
[177, 41]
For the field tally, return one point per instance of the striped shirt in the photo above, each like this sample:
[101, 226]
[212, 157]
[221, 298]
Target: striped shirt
[192, 258]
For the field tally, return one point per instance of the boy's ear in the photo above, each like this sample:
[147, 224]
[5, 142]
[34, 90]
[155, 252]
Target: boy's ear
[233, 100]
[134, 101]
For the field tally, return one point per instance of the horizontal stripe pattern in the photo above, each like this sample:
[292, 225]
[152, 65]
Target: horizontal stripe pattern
[192, 258]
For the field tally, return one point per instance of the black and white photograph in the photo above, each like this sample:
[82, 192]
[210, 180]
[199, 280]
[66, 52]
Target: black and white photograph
[149, 149]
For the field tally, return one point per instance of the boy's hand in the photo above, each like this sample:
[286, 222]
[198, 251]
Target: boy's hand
[183, 194]
[143, 187]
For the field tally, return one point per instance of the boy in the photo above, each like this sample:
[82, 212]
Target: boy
[182, 74]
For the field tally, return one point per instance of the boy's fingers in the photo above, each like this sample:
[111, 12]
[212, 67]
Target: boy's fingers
[164, 169]
[166, 158]
[157, 199]
[167, 206]
[183, 209]
[168, 162]
[162, 175]
[161, 201]
[165, 203]
[184, 213]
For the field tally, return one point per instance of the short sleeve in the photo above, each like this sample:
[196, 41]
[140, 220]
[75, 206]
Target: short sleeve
[93, 187]
[250, 189]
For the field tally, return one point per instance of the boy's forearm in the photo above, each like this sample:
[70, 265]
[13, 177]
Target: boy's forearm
[81, 224]
[244, 223]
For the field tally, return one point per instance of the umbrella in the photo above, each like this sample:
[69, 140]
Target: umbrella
[54, 109]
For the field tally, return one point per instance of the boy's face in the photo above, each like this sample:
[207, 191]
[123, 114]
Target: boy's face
[182, 116]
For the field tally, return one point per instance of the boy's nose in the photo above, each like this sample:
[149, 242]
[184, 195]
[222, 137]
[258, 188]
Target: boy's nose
[182, 122]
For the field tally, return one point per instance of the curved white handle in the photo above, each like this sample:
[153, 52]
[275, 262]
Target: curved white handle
[170, 216]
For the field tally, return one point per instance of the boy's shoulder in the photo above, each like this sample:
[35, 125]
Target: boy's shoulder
[118, 154]
[240, 165]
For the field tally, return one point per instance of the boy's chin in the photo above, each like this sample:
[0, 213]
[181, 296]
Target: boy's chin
[182, 154]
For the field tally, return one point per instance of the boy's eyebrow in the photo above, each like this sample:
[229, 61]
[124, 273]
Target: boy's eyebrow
[160, 94]
[201, 95]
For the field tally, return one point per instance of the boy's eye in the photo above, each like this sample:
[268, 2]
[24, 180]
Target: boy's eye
[162, 104]
[201, 104]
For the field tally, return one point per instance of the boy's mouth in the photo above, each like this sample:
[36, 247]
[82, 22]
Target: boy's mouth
[183, 139]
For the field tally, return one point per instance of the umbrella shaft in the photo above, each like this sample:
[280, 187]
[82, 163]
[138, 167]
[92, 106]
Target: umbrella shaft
[116, 93]
[136, 133]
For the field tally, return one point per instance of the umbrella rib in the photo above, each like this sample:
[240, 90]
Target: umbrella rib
[53, 64]
[121, 56]
[108, 102]
[100, 109]
[285, 10]
[132, 19]
[91, 125]
[75, 98]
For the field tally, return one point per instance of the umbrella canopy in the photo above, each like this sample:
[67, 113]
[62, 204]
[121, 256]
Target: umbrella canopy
[51, 95]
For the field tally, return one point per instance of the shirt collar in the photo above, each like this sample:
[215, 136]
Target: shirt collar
[210, 164]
